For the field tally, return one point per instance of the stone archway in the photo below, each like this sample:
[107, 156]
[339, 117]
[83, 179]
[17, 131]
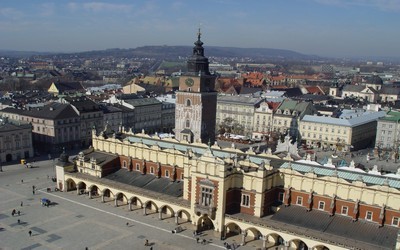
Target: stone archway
[298, 244]
[274, 239]
[134, 203]
[166, 212]
[320, 247]
[204, 223]
[70, 185]
[232, 230]
[251, 234]
[81, 188]
[149, 208]
[119, 199]
[94, 192]
[180, 218]
[106, 195]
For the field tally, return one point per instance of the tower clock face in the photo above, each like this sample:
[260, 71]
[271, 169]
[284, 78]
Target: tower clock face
[189, 82]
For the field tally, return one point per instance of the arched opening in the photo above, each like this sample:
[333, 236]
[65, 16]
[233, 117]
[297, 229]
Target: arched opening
[94, 191]
[232, 230]
[252, 234]
[274, 240]
[81, 187]
[204, 223]
[107, 195]
[320, 247]
[136, 203]
[298, 244]
[150, 208]
[120, 199]
[71, 185]
[166, 212]
[8, 157]
[183, 216]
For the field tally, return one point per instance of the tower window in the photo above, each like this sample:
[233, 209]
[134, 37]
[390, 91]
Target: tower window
[368, 216]
[321, 205]
[188, 103]
[299, 200]
[245, 200]
[187, 123]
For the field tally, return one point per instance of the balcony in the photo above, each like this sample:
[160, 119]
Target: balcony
[209, 210]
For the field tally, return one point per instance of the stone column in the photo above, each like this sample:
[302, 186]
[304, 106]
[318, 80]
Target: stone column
[77, 190]
[244, 234]
[265, 241]
[176, 218]
[115, 202]
[102, 198]
[144, 210]
[160, 214]
[130, 205]
[90, 194]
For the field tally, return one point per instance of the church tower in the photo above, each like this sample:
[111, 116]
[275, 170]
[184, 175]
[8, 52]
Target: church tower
[196, 100]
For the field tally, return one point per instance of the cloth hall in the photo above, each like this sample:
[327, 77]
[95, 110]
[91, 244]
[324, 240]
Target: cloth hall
[255, 196]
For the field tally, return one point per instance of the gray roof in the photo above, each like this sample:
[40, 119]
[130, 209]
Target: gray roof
[143, 102]
[10, 125]
[148, 182]
[238, 100]
[353, 122]
[51, 111]
[369, 179]
[338, 228]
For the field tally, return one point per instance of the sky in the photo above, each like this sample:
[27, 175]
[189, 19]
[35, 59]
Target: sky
[337, 28]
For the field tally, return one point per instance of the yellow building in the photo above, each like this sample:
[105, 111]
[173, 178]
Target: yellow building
[352, 131]
[254, 197]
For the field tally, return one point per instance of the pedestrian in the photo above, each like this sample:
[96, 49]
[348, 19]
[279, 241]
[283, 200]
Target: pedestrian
[146, 243]
[30, 233]
[22, 181]
[13, 212]
[33, 191]
[22, 203]
[19, 213]
[127, 224]
[197, 240]
[19, 221]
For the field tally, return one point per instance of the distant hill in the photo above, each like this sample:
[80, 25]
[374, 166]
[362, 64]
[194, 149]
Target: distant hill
[166, 52]
[184, 51]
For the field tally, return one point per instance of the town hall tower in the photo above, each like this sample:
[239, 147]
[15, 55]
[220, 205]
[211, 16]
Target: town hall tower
[196, 100]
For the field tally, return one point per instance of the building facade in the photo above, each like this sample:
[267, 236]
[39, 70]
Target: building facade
[15, 140]
[240, 109]
[340, 133]
[54, 126]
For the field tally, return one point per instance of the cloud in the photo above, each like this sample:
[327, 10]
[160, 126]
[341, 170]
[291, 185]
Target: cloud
[99, 7]
[47, 9]
[383, 5]
[10, 13]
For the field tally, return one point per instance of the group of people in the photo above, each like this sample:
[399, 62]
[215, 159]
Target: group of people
[14, 212]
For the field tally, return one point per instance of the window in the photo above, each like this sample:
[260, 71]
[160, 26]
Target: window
[245, 200]
[206, 196]
[138, 166]
[182, 176]
[299, 200]
[187, 123]
[345, 210]
[321, 205]
[188, 102]
[395, 221]
[281, 196]
[368, 215]
[124, 164]
[151, 170]
[166, 173]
